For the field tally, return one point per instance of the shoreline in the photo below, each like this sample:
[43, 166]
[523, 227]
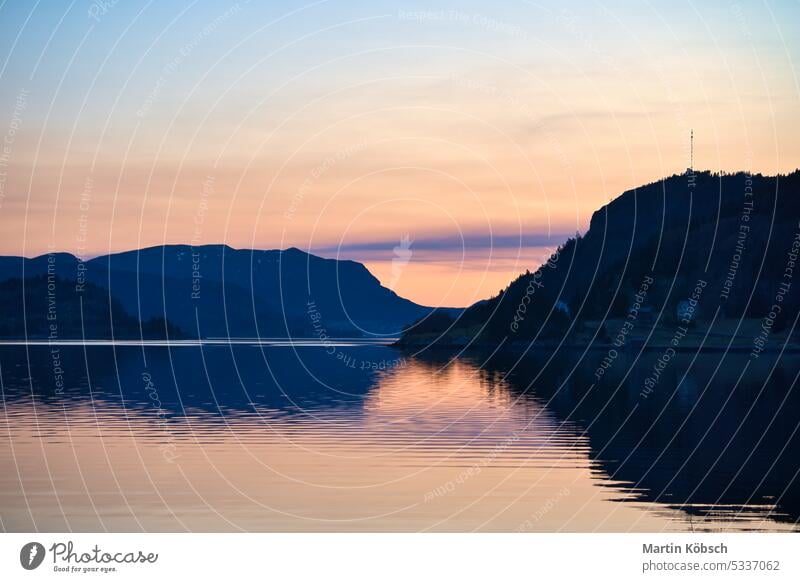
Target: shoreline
[517, 346]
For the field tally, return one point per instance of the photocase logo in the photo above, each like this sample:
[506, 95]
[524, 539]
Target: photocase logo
[31, 555]
[402, 255]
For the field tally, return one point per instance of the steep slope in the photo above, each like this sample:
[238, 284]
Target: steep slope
[217, 291]
[731, 236]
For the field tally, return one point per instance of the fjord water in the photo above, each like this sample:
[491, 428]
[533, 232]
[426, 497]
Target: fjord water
[358, 437]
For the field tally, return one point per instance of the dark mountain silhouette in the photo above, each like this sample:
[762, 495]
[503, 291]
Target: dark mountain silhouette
[217, 291]
[44, 307]
[735, 234]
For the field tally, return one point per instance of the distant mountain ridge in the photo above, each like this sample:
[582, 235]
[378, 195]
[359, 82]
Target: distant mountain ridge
[218, 291]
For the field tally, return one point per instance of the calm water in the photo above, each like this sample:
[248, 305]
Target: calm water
[281, 437]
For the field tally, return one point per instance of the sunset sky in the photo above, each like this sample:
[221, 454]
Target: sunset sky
[482, 133]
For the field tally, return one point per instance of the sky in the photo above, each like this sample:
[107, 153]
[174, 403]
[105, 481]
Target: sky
[449, 146]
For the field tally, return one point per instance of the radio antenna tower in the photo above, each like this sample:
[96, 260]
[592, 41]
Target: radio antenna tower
[691, 150]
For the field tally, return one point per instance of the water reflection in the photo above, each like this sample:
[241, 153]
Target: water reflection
[716, 437]
[365, 438]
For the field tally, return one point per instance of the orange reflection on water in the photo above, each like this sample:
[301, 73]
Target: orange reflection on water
[434, 447]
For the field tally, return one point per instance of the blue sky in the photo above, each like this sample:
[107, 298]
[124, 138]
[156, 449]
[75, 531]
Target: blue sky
[349, 125]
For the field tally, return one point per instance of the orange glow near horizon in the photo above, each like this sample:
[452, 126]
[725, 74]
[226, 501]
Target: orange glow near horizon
[352, 133]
